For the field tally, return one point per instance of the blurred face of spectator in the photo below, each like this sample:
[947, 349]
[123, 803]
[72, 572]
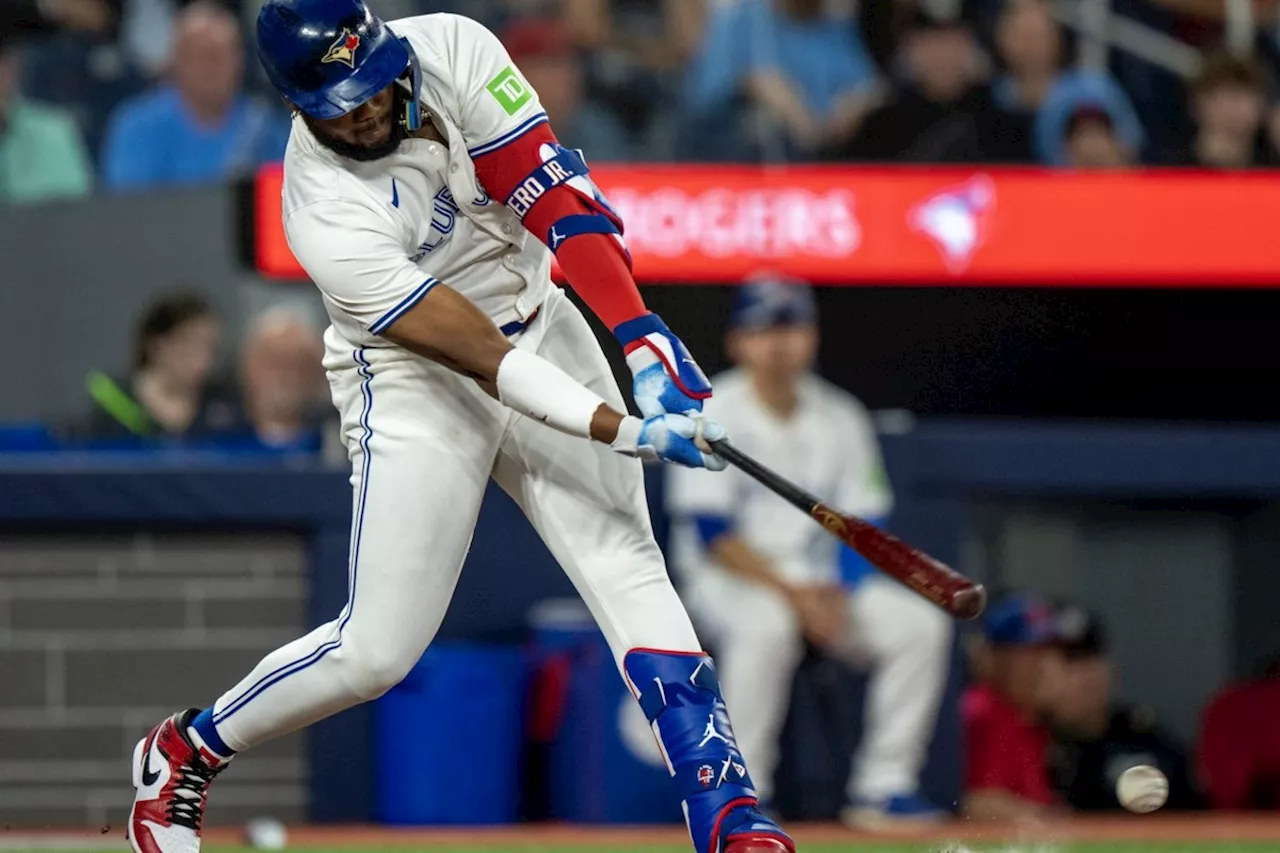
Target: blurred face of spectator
[184, 356]
[780, 355]
[8, 77]
[1028, 39]
[281, 367]
[1076, 692]
[943, 62]
[803, 10]
[558, 83]
[208, 60]
[1092, 144]
[544, 53]
[1019, 672]
[1232, 108]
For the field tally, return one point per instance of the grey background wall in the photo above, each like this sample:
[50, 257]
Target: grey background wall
[74, 278]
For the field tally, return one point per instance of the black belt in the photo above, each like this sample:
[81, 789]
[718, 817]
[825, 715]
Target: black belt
[515, 327]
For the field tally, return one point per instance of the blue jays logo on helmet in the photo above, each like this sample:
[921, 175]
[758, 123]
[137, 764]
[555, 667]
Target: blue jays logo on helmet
[327, 57]
[344, 49]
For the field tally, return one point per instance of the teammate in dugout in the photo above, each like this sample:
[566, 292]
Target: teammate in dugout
[759, 577]
[421, 183]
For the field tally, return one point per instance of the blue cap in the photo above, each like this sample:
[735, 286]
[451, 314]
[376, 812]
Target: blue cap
[766, 300]
[1020, 620]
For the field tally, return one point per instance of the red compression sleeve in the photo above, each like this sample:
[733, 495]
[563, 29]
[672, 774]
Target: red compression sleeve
[595, 264]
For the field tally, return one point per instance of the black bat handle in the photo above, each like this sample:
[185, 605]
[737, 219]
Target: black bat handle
[786, 489]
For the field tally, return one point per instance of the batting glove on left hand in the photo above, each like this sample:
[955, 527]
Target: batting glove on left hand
[667, 379]
[671, 438]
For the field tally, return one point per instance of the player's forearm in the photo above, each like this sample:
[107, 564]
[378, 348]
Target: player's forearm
[449, 329]
[735, 555]
[993, 804]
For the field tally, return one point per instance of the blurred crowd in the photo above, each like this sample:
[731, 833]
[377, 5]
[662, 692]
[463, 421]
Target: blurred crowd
[273, 399]
[126, 95]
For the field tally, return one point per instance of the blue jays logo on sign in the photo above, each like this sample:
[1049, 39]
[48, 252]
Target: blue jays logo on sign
[444, 218]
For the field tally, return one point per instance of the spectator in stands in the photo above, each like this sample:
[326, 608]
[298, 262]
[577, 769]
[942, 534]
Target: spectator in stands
[200, 128]
[939, 112]
[1229, 102]
[1090, 141]
[802, 72]
[1029, 45]
[27, 16]
[635, 50]
[1087, 121]
[546, 56]
[1006, 777]
[1239, 752]
[41, 155]
[168, 392]
[284, 389]
[1096, 739]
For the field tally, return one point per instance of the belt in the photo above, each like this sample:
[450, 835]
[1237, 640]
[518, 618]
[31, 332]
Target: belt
[515, 327]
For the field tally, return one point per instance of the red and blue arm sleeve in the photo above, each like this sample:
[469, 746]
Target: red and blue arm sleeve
[547, 186]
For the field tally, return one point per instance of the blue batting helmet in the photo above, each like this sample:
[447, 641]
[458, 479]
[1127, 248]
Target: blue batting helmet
[328, 57]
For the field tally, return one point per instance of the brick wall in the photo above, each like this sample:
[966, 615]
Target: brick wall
[102, 636]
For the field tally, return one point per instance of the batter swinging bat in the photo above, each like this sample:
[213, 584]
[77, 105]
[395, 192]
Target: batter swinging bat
[944, 586]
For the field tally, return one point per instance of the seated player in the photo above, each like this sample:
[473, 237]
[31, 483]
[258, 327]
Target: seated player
[1006, 776]
[1094, 738]
[1239, 750]
[761, 577]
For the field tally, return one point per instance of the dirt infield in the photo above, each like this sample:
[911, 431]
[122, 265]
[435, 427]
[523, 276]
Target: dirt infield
[1206, 827]
[1155, 828]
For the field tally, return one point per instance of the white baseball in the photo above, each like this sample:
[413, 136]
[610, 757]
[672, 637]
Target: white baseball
[1142, 789]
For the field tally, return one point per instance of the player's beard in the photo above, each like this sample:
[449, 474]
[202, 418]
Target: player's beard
[367, 153]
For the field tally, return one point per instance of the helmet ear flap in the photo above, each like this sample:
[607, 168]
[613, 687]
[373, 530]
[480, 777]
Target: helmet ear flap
[410, 83]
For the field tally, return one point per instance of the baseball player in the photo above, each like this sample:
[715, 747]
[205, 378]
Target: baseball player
[761, 577]
[424, 193]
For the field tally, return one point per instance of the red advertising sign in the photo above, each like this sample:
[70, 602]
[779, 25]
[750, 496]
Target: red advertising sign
[922, 226]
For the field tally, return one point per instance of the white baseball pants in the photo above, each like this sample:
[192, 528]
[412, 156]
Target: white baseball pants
[423, 444]
[904, 642]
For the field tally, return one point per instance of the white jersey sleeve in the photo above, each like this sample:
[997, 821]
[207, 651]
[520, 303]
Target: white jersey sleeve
[355, 256]
[495, 103]
[863, 487]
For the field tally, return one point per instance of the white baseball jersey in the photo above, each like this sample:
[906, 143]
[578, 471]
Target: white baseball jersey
[377, 236]
[828, 446]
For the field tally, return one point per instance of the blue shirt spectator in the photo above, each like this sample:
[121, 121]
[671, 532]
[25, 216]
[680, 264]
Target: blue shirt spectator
[803, 68]
[1080, 93]
[200, 127]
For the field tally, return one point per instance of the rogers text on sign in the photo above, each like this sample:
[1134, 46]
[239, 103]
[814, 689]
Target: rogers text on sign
[723, 222]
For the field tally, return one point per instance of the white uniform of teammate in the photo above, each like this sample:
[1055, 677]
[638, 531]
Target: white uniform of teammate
[827, 446]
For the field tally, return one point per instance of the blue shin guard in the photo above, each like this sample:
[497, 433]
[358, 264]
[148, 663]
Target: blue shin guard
[680, 696]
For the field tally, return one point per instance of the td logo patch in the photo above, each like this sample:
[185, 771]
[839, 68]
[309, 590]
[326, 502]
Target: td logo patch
[509, 90]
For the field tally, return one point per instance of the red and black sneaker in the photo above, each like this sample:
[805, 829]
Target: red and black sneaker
[171, 772]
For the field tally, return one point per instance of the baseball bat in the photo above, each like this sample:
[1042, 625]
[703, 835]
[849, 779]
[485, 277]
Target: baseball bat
[922, 574]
